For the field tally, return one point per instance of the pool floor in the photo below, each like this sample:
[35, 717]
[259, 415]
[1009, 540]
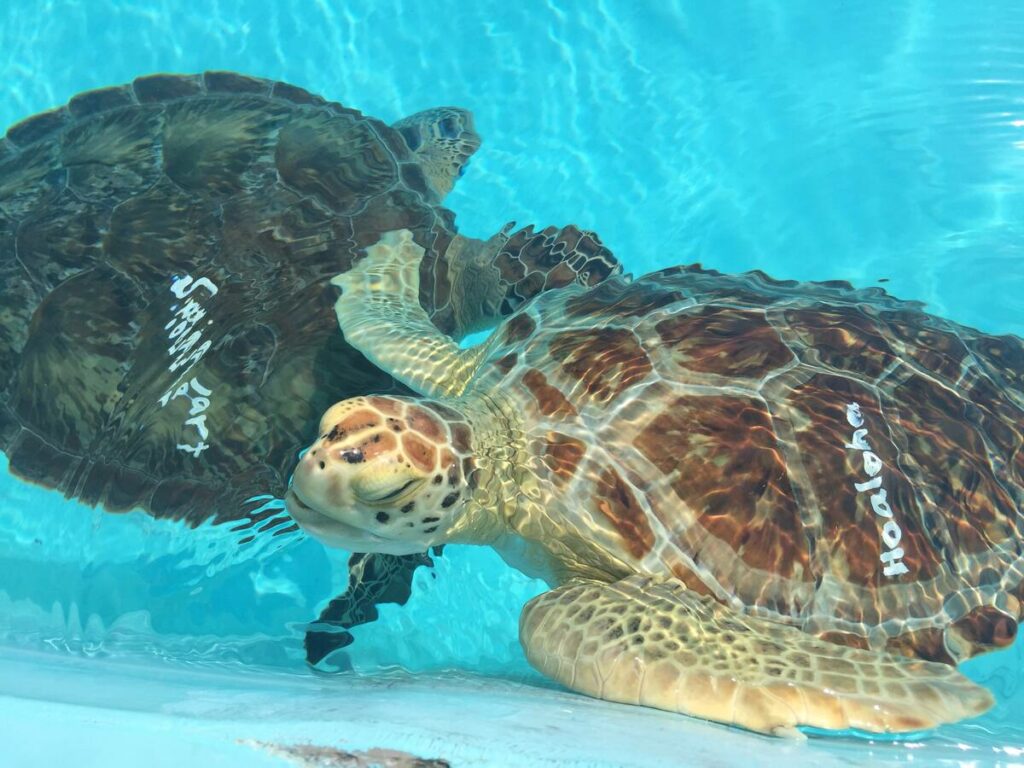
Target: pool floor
[96, 713]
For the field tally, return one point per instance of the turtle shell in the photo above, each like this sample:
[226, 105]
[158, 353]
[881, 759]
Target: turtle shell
[832, 458]
[167, 334]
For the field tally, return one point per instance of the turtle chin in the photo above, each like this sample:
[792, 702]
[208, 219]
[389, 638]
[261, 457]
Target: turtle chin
[337, 533]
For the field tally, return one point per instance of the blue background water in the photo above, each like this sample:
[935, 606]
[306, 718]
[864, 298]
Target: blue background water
[810, 140]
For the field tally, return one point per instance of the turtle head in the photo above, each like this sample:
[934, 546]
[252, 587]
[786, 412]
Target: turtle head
[387, 474]
[443, 140]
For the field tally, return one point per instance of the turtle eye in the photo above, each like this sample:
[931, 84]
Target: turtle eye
[449, 128]
[412, 138]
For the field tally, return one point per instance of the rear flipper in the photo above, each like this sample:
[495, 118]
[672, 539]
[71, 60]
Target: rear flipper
[373, 579]
[653, 642]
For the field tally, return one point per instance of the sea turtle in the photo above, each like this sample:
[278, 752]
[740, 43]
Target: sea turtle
[167, 338]
[755, 500]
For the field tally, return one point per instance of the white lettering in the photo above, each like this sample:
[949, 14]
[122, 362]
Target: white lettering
[183, 286]
[199, 422]
[891, 560]
[859, 442]
[879, 505]
[185, 344]
[195, 450]
[870, 485]
[872, 464]
[187, 349]
[892, 534]
[192, 359]
[853, 415]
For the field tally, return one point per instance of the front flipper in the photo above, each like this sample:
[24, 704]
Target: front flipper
[653, 642]
[491, 280]
[374, 579]
[380, 314]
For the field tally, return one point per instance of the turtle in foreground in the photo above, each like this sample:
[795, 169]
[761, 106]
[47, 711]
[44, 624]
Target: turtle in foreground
[764, 503]
[167, 335]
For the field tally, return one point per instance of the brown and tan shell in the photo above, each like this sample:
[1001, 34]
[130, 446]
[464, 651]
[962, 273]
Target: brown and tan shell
[699, 424]
[262, 189]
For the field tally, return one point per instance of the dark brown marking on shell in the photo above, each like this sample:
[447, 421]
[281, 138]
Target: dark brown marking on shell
[614, 299]
[723, 341]
[338, 160]
[419, 420]
[518, 328]
[617, 503]
[58, 242]
[843, 338]
[296, 95]
[1000, 419]
[606, 361]
[957, 478]
[206, 148]
[114, 155]
[934, 349]
[851, 530]
[562, 455]
[100, 100]
[845, 638]
[420, 452]
[928, 643]
[1003, 357]
[413, 178]
[507, 363]
[549, 399]
[37, 127]
[983, 629]
[166, 87]
[232, 82]
[724, 463]
[690, 579]
[90, 313]
[462, 437]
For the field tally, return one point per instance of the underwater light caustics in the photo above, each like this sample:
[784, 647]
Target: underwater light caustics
[743, 492]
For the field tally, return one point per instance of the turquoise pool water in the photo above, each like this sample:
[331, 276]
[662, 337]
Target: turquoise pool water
[864, 142]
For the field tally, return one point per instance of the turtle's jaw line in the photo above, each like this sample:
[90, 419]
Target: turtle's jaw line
[325, 526]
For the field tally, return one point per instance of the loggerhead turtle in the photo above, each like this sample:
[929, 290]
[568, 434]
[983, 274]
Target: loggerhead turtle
[166, 328]
[755, 500]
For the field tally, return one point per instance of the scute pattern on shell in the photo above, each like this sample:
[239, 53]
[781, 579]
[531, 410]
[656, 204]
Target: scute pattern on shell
[717, 406]
[104, 201]
[264, 190]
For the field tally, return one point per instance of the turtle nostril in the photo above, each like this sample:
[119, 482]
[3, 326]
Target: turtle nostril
[322, 465]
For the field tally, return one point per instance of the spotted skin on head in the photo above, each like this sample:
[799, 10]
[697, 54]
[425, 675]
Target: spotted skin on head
[385, 475]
